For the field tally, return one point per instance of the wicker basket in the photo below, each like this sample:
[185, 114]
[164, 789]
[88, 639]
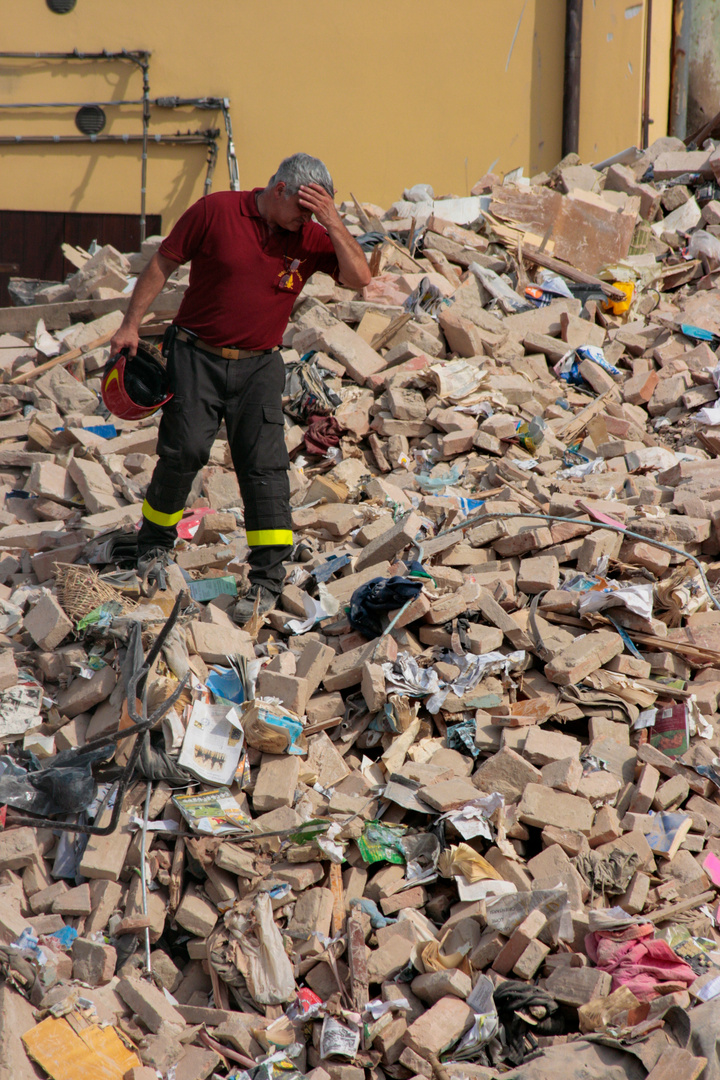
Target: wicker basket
[80, 591]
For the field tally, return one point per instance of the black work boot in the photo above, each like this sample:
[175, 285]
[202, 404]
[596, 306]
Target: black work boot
[245, 606]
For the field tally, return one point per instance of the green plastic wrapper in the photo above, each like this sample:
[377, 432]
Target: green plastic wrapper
[379, 842]
[101, 616]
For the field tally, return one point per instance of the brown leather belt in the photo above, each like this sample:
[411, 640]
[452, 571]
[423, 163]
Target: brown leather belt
[227, 354]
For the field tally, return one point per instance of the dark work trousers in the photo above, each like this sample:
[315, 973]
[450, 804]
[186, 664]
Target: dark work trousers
[247, 394]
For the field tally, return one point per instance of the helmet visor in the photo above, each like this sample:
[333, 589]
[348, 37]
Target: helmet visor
[146, 382]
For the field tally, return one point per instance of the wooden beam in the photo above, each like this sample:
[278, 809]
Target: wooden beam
[703, 655]
[22, 320]
[380, 340]
[572, 427]
[359, 982]
[534, 255]
[669, 911]
[67, 358]
[63, 358]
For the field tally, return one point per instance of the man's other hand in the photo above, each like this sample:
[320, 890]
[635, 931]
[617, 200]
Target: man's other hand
[315, 198]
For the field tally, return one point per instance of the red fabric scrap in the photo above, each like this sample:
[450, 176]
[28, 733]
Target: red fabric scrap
[322, 433]
[636, 960]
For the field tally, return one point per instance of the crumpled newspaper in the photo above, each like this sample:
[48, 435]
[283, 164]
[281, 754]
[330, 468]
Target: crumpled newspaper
[472, 819]
[457, 380]
[636, 598]
[682, 594]
[11, 618]
[315, 610]
[406, 676]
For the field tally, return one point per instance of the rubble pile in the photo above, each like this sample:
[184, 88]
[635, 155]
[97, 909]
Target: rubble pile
[453, 808]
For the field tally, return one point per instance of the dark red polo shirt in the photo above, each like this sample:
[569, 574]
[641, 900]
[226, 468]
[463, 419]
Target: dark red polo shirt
[235, 297]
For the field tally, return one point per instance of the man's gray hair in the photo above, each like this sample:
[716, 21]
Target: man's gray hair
[299, 170]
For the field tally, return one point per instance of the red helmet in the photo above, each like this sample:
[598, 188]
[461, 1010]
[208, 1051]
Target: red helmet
[136, 387]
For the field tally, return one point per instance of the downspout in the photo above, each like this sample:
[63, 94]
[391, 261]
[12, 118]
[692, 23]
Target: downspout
[571, 86]
[680, 69]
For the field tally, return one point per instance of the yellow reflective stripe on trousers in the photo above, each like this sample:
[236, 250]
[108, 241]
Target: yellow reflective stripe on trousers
[160, 519]
[269, 537]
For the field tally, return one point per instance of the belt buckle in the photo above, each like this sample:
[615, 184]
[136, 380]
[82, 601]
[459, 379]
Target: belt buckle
[230, 354]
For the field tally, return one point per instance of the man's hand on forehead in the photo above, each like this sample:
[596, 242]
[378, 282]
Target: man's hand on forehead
[315, 198]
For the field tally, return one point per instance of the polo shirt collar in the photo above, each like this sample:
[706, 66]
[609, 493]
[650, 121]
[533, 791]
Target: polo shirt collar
[248, 206]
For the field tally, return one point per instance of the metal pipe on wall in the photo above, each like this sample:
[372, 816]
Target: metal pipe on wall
[680, 68]
[125, 54]
[646, 87]
[206, 138]
[143, 172]
[571, 84]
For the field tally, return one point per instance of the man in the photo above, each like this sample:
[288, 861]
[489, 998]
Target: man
[251, 252]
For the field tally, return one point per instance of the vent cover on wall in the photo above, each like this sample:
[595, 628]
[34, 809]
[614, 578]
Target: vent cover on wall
[90, 119]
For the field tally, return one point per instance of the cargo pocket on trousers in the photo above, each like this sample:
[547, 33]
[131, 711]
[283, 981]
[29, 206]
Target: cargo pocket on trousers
[274, 453]
[273, 415]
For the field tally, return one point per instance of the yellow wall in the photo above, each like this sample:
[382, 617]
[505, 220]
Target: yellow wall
[389, 92]
[613, 71]
[660, 63]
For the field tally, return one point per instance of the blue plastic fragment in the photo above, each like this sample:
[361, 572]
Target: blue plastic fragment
[225, 683]
[66, 936]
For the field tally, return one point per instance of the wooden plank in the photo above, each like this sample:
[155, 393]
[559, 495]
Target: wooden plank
[323, 725]
[682, 648]
[671, 910]
[339, 914]
[22, 320]
[386, 335]
[359, 982]
[698, 137]
[538, 257]
[63, 358]
[572, 427]
[74, 354]
[534, 249]
[368, 222]
[176, 875]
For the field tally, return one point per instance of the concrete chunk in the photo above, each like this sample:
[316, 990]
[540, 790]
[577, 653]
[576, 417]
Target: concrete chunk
[541, 806]
[439, 1027]
[507, 773]
[386, 546]
[276, 782]
[94, 485]
[585, 655]
[18, 848]
[542, 746]
[47, 623]
[93, 962]
[149, 1003]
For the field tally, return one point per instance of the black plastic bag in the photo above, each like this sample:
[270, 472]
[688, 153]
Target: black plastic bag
[375, 598]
